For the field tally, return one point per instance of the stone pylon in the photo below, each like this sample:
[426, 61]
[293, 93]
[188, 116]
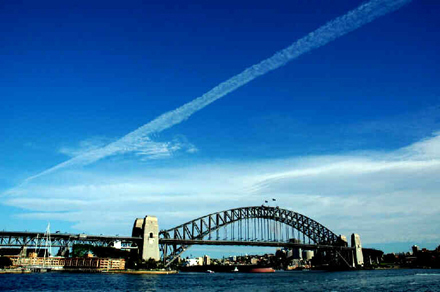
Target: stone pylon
[358, 256]
[148, 229]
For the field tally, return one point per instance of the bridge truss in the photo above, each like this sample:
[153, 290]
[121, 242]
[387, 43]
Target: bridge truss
[257, 225]
[40, 239]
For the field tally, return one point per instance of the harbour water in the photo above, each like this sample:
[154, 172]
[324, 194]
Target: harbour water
[375, 280]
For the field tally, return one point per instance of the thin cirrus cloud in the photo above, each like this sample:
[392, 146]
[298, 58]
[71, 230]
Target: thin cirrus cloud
[394, 194]
[332, 30]
[145, 147]
[85, 146]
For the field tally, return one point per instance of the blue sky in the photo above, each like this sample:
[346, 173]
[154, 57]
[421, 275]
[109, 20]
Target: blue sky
[347, 134]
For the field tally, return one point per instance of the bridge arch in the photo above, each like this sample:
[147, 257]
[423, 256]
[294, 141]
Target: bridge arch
[200, 227]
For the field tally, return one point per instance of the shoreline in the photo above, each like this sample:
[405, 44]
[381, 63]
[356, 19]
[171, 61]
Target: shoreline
[143, 272]
[15, 271]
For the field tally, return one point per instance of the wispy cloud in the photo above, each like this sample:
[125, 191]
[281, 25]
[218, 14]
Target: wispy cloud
[89, 150]
[384, 196]
[334, 29]
[85, 146]
[414, 125]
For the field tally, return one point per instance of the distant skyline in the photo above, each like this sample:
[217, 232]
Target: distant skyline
[347, 134]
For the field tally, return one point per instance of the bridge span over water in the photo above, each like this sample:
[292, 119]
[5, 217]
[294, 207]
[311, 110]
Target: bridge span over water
[247, 226]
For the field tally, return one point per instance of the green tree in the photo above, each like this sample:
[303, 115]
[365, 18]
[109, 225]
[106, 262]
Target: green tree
[81, 250]
[151, 264]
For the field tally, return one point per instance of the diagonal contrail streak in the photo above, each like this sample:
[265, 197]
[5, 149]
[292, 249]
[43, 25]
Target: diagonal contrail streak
[338, 27]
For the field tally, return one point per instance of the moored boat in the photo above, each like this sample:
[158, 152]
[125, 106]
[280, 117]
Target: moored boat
[262, 270]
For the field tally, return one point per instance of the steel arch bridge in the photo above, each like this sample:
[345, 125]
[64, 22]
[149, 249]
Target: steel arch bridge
[256, 225]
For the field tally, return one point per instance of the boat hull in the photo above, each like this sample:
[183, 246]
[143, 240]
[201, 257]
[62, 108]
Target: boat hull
[261, 270]
[228, 269]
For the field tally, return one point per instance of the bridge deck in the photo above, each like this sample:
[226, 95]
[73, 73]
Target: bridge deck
[25, 238]
[171, 241]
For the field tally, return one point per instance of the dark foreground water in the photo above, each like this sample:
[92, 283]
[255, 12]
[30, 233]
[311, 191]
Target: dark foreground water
[379, 280]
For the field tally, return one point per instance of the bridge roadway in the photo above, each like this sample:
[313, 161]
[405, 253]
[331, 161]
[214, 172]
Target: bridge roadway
[25, 238]
[29, 239]
[35, 239]
[171, 241]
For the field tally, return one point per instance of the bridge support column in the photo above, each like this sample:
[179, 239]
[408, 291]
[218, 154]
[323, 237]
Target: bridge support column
[148, 229]
[358, 256]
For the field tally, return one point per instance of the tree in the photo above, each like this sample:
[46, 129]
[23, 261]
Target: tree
[81, 250]
[150, 264]
[5, 262]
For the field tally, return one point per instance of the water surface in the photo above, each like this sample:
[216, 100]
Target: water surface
[378, 280]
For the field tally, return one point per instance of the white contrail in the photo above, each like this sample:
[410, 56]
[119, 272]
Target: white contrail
[340, 26]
